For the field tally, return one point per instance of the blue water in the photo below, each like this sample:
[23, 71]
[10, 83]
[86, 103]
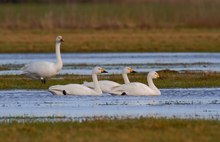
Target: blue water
[82, 63]
[178, 103]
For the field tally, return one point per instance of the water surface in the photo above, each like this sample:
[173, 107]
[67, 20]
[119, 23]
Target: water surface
[180, 103]
[82, 63]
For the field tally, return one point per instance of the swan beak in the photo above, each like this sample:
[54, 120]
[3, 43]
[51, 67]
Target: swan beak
[132, 71]
[104, 71]
[61, 40]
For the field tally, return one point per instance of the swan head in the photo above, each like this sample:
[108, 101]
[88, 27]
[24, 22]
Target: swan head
[59, 39]
[128, 70]
[153, 75]
[98, 70]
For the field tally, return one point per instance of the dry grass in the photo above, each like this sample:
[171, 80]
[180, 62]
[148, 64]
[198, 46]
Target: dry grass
[185, 40]
[145, 129]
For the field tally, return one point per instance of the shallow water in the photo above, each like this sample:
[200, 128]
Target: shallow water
[180, 103]
[82, 63]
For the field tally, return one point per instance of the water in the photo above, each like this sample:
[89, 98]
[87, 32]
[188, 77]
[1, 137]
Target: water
[82, 63]
[180, 103]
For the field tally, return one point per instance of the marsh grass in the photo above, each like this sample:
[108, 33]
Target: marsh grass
[168, 79]
[184, 40]
[129, 130]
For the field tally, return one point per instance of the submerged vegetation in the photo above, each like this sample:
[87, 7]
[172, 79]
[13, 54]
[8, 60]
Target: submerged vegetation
[144, 129]
[168, 79]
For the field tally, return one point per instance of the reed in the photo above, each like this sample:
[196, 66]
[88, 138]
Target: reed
[143, 14]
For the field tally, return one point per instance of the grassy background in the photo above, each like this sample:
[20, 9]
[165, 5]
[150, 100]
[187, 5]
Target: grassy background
[145, 129]
[123, 26]
[168, 79]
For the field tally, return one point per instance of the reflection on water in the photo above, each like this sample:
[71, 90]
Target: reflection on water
[82, 63]
[181, 103]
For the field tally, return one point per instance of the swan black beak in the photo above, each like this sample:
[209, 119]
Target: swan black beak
[104, 71]
[62, 40]
[133, 71]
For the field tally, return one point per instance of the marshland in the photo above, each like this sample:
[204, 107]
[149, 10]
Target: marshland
[178, 39]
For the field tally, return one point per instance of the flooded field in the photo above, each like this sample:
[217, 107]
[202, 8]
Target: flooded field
[82, 63]
[179, 103]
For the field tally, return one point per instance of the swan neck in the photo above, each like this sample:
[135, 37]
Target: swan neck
[96, 84]
[125, 77]
[152, 86]
[59, 62]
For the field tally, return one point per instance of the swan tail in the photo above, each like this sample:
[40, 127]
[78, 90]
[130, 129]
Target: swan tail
[25, 67]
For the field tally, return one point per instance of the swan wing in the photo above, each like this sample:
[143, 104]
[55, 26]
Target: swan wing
[135, 88]
[40, 69]
[72, 89]
[105, 85]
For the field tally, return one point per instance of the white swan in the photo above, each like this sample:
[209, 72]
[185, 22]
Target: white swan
[43, 70]
[139, 89]
[106, 85]
[78, 89]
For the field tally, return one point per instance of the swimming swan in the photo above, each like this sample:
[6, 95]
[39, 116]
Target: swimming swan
[139, 89]
[78, 89]
[106, 85]
[43, 70]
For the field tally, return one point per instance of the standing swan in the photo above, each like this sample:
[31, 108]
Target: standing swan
[43, 70]
[78, 89]
[139, 89]
[106, 85]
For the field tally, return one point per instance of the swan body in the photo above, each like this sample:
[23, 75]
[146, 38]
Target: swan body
[107, 85]
[72, 89]
[138, 89]
[78, 89]
[43, 70]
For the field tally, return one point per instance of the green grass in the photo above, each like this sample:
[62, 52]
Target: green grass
[184, 40]
[168, 79]
[129, 130]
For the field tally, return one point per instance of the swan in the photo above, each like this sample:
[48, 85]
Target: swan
[43, 70]
[139, 89]
[78, 89]
[106, 85]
